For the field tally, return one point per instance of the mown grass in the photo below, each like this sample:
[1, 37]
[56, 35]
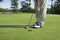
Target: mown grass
[11, 27]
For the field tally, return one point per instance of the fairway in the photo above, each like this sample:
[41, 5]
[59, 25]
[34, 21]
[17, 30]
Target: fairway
[12, 27]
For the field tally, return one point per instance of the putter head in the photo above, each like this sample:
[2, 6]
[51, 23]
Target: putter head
[29, 30]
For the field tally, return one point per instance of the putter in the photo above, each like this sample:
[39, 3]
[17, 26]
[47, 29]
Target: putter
[29, 21]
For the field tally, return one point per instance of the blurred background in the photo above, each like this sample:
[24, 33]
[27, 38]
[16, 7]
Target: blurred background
[28, 6]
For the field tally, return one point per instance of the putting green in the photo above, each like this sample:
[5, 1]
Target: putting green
[12, 27]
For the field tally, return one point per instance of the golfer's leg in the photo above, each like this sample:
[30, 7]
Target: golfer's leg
[41, 15]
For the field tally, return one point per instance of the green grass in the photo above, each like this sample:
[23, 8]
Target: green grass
[15, 19]
[11, 27]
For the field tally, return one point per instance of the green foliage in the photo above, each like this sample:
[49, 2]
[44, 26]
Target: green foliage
[14, 4]
[1, 0]
[52, 9]
[48, 10]
[26, 6]
[57, 7]
[4, 10]
[29, 10]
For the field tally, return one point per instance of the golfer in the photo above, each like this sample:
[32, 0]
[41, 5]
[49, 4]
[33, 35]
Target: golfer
[40, 10]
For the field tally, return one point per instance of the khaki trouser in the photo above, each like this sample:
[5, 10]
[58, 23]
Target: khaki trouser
[40, 10]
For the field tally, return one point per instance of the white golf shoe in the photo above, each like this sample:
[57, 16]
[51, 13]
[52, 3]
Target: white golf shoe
[36, 26]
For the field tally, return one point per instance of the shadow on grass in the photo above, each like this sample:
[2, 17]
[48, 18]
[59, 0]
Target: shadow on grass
[14, 26]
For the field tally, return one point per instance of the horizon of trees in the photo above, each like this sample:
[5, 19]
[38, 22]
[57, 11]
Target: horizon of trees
[25, 6]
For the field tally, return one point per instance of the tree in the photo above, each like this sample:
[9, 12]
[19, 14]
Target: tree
[26, 6]
[57, 7]
[29, 2]
[14, 4]
[52, 9]
[1, 0]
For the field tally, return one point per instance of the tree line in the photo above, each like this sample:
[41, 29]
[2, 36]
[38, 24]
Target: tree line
[55, 7]
[25, 6]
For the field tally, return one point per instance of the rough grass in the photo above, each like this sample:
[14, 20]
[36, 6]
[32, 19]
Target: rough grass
[11, 27]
